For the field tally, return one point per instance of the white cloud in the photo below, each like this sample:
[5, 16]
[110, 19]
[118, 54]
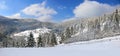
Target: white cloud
[92, 8]
[45, 18]
[40, 11]
[15, 16]
[3, 5]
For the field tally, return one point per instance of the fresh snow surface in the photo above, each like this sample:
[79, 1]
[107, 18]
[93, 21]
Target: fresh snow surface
[76, 34]
[85, 30]
[35, 32]
[103, 47]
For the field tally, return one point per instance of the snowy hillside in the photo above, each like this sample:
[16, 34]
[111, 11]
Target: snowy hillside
[103, 47]
[35, 32]
[91, 28]
[44, 32]
[100, 43]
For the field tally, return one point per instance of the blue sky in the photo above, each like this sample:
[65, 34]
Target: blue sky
[56, 10]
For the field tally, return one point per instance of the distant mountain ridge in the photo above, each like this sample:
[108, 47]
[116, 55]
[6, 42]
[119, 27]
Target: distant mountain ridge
[8, 26]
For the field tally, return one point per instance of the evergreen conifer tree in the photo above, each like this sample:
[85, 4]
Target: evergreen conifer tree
[67, 33]
[31, 42]
[53, 40]
[39, 41]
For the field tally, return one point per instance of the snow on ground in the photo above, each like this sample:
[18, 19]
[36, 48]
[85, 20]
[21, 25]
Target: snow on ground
[35, 32]
[85, 30]
[103, 47]
[108, 40]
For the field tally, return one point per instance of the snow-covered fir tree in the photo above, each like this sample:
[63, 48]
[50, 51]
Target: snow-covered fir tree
[30, 41]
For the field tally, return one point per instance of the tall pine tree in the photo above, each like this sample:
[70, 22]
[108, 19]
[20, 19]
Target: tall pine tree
[67, 33]
[53, 40]
[39, 41]
[31, 42]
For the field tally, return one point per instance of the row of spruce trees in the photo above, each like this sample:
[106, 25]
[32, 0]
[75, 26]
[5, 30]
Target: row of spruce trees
[44, 40]
[49, 39]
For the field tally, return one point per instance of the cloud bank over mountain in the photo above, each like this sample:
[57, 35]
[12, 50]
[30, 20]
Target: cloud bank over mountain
[91, 9]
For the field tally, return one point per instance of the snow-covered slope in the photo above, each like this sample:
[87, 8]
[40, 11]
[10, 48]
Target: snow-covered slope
[92, 27]
[100, 43]
[103, 47]
[35, 32]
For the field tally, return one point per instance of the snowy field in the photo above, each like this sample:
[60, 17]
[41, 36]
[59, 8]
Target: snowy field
[103, 47]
